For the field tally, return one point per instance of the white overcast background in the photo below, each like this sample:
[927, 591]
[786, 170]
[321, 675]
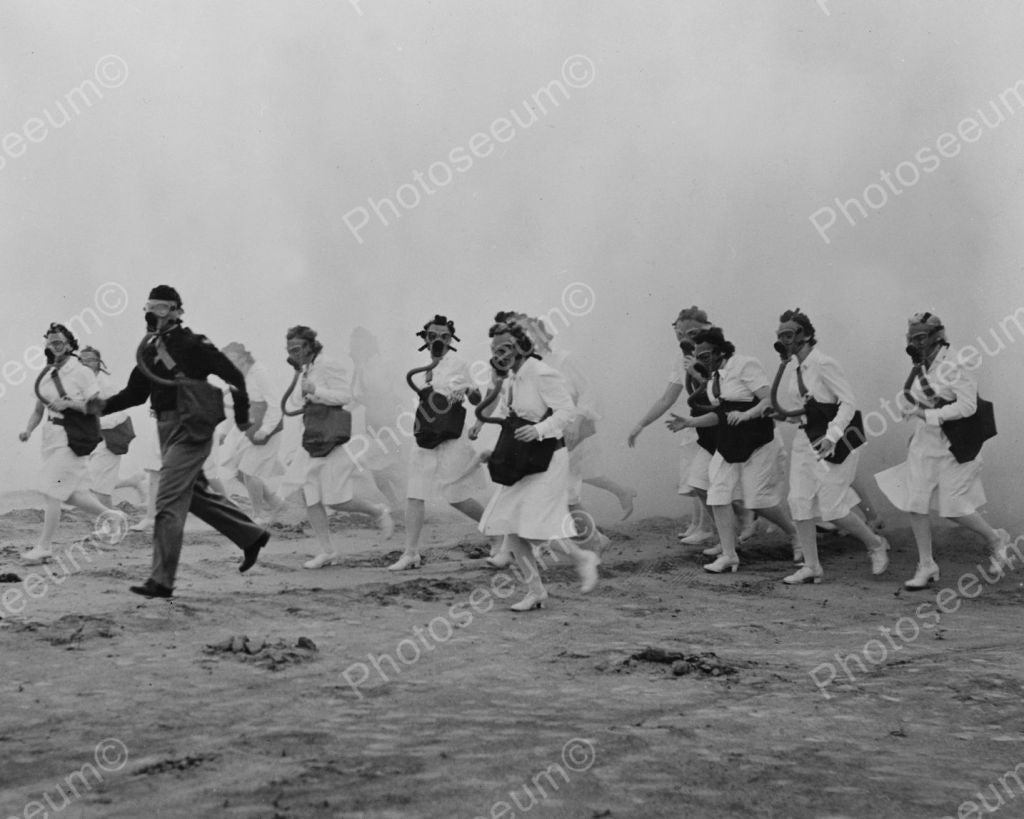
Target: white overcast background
[223, 148]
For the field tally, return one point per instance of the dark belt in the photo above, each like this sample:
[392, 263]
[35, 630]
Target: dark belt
[55, 420]
[559, 443]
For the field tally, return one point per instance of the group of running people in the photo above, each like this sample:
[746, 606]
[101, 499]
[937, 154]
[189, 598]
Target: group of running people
[732, 463]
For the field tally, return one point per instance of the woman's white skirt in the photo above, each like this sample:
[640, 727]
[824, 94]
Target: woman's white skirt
[535, 507]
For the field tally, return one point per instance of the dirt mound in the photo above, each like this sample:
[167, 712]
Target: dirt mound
[674, 663]
[272, 655]
[427, 589]
[182, 764]
[71, 629]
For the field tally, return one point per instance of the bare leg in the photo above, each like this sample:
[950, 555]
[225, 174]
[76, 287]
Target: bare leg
[414, 514]
[725, 522]
[88, 502]
[807, 541]
[106, 500]
[387, 482]
[624, 494]
[51, 520]
[470, 508]
[536, 594]
[858, 527]
[779, 516]
[317, 516]
[922, 529]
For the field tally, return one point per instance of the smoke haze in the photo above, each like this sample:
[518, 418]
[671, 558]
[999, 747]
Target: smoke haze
[659, 154]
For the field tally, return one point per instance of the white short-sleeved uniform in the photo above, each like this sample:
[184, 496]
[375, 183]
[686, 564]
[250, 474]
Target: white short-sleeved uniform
[693, 458]
[817, 488]
[104, 465]
[931, 478]
[63, 472]
[447, 469]
[328, 480]
[239, 454]
[536, 507]
[586, 458]
[756, 481]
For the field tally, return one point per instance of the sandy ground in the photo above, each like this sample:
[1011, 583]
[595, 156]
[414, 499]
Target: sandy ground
[368, 694]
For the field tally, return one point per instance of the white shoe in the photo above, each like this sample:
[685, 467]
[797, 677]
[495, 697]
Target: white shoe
[37, 555]
[926, 574]
[697, 538]
[533, 600]
[879, 556]
[406, 562]
[386, 523]
[587, 569]
[1001, 552]
[723, 564]
[144, 525]
[321, 560]
[713, 551]
[804, 574]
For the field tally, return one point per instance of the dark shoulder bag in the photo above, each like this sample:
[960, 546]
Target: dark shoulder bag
[119, 437]
[512, 459]
[438, 419]
[325, 427]
[819, 415]
[966, 435]
[83, 430]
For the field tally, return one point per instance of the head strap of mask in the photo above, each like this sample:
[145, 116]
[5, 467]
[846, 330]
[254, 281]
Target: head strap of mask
[442, 321]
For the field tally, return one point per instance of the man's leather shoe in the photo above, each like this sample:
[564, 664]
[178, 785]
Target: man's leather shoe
[151, 589]
[253, 552]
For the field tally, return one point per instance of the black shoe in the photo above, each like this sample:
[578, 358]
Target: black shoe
[253, 552]
[151, 589]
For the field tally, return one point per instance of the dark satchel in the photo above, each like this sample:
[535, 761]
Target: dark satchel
[737, 442]
[699, 403]
[513, 460]
[119, 437]
[437, 419]
[819, 415]
[200, 410]
[966, 435]
[324, 427]
[257, 412]
[82, 429]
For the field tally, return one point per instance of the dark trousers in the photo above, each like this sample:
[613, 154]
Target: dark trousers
[183, 489]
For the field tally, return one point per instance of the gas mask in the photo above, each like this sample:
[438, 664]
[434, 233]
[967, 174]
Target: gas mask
[438, 339]
[922, 344]
[790, 338]
[156, 310]
[708, 360]
[925, 334]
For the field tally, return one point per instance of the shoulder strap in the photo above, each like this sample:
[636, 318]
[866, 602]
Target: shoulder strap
[57, 383]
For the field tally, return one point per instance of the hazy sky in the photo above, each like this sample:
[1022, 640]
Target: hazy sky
[316, 163]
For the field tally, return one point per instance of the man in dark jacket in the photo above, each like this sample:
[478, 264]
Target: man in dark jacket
[178, 352]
